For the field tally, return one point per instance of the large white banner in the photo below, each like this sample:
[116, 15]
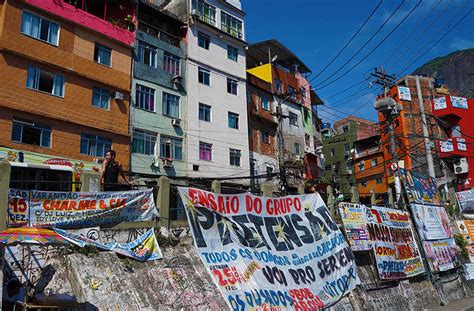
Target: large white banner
[270, 253]
[432, 222]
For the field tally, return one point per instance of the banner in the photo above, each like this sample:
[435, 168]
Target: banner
[420, 188]
[404, 93]
[355, 224]
[441, 254]
[466, 200]
[440, 103]
[18, 208]
[459, 102]
[432, 222]
[396, 253]
[68, 210]
[469, 271]
[268, 253]
[144, 248]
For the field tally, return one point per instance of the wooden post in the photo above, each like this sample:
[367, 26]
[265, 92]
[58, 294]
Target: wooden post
[163, 199]
[355, 195]
[301, 189]
[372, 196]
[330, 202]
[267, 189]
[5, 170]
[216, 186]
[90, 181]
[390, 197]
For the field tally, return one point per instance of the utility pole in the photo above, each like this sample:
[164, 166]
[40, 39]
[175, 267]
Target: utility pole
[390, 109]
[429, 155]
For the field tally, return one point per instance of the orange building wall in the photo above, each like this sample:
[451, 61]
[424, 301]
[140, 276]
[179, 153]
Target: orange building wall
[370, 174]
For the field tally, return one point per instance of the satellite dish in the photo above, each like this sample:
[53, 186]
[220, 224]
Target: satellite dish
[274, 58]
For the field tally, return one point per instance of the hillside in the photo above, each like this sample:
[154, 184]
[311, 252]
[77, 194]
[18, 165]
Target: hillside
[456, 68]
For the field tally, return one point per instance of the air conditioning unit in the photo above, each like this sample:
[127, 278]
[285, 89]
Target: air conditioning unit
[461, 166]
[167, 162]
[176, 122]
[118, 96]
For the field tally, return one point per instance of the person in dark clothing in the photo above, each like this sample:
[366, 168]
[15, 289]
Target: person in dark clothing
[111, 170]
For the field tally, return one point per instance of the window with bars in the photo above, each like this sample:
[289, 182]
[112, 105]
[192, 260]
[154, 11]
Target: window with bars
[205, 11]
[27, 132]
[45, 81]
[102, 54]
[234, 156]
[233, 120]
[170, 105]
[171, 64]
[100, 98]
[204, 112]
[146, 54]
[144, 97]
[171, 147]
[232, 86]
[143, 142]
[231, 25]
[94, 145]
[205, 151]
[39, 28]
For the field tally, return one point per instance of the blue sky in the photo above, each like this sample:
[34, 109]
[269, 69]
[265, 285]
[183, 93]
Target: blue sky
[316, 30]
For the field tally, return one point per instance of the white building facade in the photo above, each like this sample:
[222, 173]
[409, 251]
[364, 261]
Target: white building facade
[217, 127]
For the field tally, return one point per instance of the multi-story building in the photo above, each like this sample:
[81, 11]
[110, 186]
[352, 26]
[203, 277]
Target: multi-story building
[158, 92]
[338, 149]
[64, 97]
[217, 127]
[314, 159]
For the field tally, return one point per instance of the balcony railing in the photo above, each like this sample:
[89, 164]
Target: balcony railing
[233, 32]
[367, 152]
[158, 33]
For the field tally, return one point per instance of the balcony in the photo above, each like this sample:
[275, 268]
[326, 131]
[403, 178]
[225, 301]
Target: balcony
[158, 33]
[451, 106]
[113, 22]
[367, 152]
[453, 147]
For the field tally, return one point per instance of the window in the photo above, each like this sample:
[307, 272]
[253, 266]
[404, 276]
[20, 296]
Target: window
[291, 92]
[39, 28]
[95, 145]
[387, 149]
[265, 104]
[233, 120]
[204, 112]
[345, 128]
[278, 86]
[145, 97]
[45, 81]
[143, 142]
[307, 140]
[204, 76]
[102, 54]
[234, 156]
[293, 117]
[205, 151]
[269, 172]
[170, 105]
[456, 131]
[232, 86]
[297, 148]
[378, 180]
[30, 133]
[205, 11]
[171, 64]
[303, 92]
[265, 136]
[348, 167]
[374, 162]
[361, 165]
[203, 40]
[363, 184]
[146, 54]
[171, 148]
[232, 53]
[231, 25]
[100, 98]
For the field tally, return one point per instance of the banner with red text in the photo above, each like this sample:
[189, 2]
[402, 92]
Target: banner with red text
[268, 253]
[68, 210]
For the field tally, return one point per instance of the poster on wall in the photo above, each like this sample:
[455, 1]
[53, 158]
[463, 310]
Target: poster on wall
[466, 200]
[446, 145]
[459, 102]
[18, 208]
[270, 253]
[355, 225]
[466, 228]
[404, 93]
[396, 253]
[72, 210]
[419, 188]
[440, 103]
[469, 271]
[432, 222]
[441, 254]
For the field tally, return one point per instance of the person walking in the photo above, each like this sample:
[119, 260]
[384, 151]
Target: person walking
[110, 172]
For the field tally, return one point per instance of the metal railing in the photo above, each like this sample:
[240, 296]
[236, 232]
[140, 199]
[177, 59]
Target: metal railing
[158, 33]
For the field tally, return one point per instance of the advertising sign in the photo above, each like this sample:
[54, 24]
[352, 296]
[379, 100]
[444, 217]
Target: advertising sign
[420, 188]
[404, 93]
[440, 103]
[396, 253]
[459, 102]
[466, 200]
[469, 271]
[446, 145]
[466, 228]
[68, 210]
[441, 254]
[432, 222]
[355, 224]
[268, 253]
